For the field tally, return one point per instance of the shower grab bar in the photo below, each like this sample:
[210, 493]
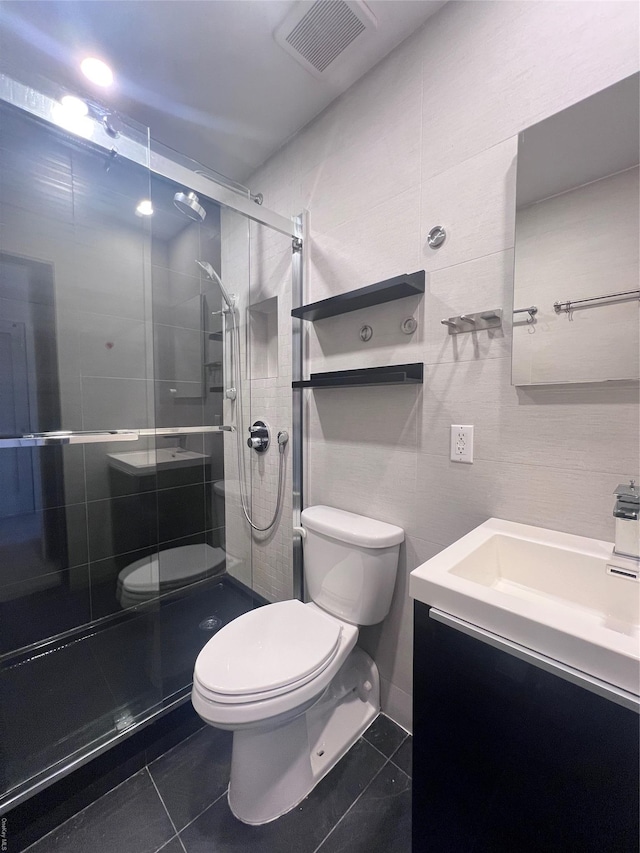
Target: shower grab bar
[44, 439]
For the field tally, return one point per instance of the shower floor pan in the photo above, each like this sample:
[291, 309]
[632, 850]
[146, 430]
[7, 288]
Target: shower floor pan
[64, 703]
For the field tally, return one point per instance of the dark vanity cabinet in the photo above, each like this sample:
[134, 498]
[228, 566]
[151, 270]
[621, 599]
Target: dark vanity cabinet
[509, 758]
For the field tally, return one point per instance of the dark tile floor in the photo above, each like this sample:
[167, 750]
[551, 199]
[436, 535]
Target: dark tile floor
[131, 667]
[178, 804]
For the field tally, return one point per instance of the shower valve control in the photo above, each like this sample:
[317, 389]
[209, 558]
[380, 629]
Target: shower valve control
[259, 437]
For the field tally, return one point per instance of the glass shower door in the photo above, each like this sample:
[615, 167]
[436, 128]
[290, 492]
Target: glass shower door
[123, 543]
[75, 313]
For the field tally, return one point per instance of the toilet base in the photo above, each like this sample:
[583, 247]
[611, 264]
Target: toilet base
[274, 768]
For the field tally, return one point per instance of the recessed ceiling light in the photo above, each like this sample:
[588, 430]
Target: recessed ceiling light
[74, 106]
[144, 208]
[97, 71]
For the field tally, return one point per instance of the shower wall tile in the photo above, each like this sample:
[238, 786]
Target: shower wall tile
[176, 298]
[91, 180]
[182, 511]
[178, 403]
[121, 525]
[36, 235]
[41, 542]
[116, 403]
[38, 180]
[59, 474]
[179, 353]
[184, 248]
[111, 346]
[109, 273]
[39, 607]
[547, 456]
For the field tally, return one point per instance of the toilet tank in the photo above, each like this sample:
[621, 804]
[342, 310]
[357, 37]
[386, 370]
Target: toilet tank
[350, 563]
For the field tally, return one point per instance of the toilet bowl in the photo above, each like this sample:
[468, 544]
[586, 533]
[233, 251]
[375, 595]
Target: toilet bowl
[288, 679]
[167, 571]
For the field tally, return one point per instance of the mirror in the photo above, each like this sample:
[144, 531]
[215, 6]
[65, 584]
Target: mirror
[576, 252]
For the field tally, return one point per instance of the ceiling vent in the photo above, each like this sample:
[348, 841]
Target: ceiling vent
[317, 33]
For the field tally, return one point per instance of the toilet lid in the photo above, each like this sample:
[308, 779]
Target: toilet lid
[268, 648]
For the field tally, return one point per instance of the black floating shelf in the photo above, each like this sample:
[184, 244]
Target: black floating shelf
[394, 374]
[410, 284]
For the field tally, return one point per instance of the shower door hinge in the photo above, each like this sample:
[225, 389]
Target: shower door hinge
[296, 244]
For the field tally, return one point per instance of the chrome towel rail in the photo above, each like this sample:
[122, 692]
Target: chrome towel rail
[43, 439]
[532, 310]
[568, 304]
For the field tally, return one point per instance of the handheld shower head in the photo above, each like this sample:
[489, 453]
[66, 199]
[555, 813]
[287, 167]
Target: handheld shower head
[213, 275]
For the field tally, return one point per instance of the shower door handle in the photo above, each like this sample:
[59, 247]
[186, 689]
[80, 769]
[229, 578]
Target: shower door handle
[43, 439]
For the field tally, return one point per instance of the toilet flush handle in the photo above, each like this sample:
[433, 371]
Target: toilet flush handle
[301, 531]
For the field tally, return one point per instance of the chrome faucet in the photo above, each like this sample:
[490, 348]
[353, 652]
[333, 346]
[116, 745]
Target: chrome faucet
[627, 515]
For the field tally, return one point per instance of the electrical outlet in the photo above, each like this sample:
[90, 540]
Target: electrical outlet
[461, 443]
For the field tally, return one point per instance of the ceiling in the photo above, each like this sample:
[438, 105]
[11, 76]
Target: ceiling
[206, 76]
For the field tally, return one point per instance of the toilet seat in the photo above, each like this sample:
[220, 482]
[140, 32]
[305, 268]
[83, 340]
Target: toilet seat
[267, 652]
[242, 709]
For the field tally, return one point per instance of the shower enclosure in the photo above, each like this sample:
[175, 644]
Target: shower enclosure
[123, 541]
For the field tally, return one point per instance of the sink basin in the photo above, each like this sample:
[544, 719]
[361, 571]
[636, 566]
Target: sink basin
[143, 462]
[548, 591]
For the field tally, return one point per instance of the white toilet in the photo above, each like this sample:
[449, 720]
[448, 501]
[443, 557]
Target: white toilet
[287, 678]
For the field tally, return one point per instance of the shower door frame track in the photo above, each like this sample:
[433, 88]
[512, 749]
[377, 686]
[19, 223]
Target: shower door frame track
[43, 107]
[297, 402]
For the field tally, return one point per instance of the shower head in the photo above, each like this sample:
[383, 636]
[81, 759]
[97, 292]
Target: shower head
[213, 275]
[189, 204]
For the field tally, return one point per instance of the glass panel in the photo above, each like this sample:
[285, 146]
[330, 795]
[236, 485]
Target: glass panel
[269, 325]
[75, 315]
[118, 560]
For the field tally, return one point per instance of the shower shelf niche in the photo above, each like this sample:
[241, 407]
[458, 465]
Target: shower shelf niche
[394, 374]
[399, 287]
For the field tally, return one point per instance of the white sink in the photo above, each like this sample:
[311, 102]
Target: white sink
[548, 591]
[143, 462]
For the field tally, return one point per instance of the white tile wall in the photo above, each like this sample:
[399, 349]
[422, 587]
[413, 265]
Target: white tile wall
[426, 138]
[264, 272]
